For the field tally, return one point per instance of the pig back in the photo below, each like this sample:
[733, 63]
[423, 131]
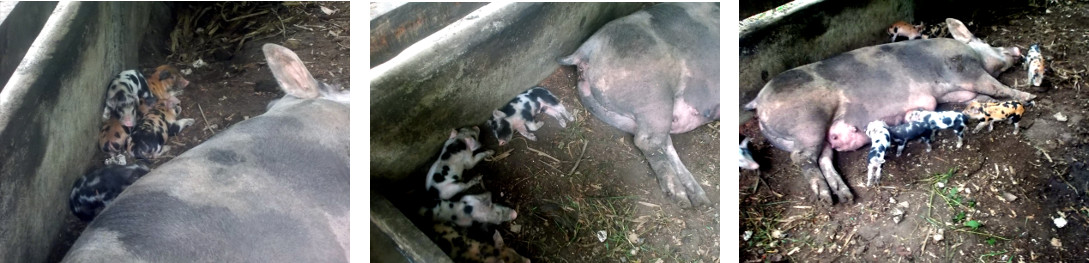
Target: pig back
[274, 188]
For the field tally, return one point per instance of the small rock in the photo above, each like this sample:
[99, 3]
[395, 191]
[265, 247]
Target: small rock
[748, 234]
[939, 235]
[601, 235]
[1056, 242]
[199, 63]
[1059, 222]
[892, 201]
[515, 228]
[941, 185]
[186, 71]
[634, 238]
[1059, 117]
[903, 205]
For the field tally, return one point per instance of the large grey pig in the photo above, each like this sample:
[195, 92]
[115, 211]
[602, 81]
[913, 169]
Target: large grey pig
[651, 74]
[812, 109]
[273, 188]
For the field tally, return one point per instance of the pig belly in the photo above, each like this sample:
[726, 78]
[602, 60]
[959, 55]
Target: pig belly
[844, 137]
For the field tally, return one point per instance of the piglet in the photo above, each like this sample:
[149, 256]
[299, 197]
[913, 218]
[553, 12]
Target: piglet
[521, 112]
[908, 131]
[1035, 63]
[461, 248]
[989, 112]
[901, 28]
[468, 209]
[95, 190]
[879, 142]
[745, 161]
[940, 121]
[458, 154]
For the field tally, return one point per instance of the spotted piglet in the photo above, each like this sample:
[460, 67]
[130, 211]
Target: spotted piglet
[989, 112]
[468, 209]
[521, 112]
[940, 121]
[461, 248]
[1034, 62]
[879, 142]
[745, 161]
[95, 190]
[908, 131]
[459, 153]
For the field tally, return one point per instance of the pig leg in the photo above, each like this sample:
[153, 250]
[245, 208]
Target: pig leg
[835, 181]
[477, 158]
[652, 138]
[520, 126]
[557, 112]
[988, 85]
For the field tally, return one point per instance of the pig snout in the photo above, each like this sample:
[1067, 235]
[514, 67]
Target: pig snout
[127, 120]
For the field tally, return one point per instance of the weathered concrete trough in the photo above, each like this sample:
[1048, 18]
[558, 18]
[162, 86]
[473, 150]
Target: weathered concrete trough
[455, 77]
[51, 106]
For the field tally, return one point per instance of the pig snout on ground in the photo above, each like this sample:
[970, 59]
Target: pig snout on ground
[651, 74]
[273, 188]
[816, 108]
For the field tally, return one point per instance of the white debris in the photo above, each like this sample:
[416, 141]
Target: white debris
[186, 71]
[903, 204]
[515, 228]
[892, 201]
[634, 238]
[1059, 222]
[792, 251]
[939, 236]
[1056, 242]
[1059, 117]
[1008, 197]
[941, 185]
[328, 11]
[776, 234]
[199, 63]
[601, 235]
[748, 234]
[897, 215]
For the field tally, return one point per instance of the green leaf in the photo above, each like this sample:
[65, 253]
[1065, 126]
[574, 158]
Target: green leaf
[973, 224]
[991, 241]
[959, 217]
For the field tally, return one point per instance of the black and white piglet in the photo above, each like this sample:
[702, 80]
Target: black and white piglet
[521, 112]
[940, 121]
[93, 191]
[468, 209]
[459, 153]
[908, 131]
[879, 143]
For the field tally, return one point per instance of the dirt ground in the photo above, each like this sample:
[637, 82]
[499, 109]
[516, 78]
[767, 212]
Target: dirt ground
[235, 86]
[563, 203]
[1000, 203]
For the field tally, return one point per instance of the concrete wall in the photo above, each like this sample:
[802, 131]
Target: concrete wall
[395, 30]
[814, 33]
[459, 75]
[50, 112]
[20, 23]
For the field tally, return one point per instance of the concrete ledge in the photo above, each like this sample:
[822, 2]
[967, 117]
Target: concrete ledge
[395, 30]
[50, 112]
[812, 33]
[458, 75]
[412, 244]
[20, 23]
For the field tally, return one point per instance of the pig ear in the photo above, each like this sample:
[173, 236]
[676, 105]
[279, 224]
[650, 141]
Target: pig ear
[290, 72]
[958, 30]
[469, 142]
[497, 114]
[745, 142]
[453, 133]
[498, 240]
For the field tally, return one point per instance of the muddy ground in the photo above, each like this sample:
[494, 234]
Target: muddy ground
[236, 84]
[1000, 202]
[563, 203]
